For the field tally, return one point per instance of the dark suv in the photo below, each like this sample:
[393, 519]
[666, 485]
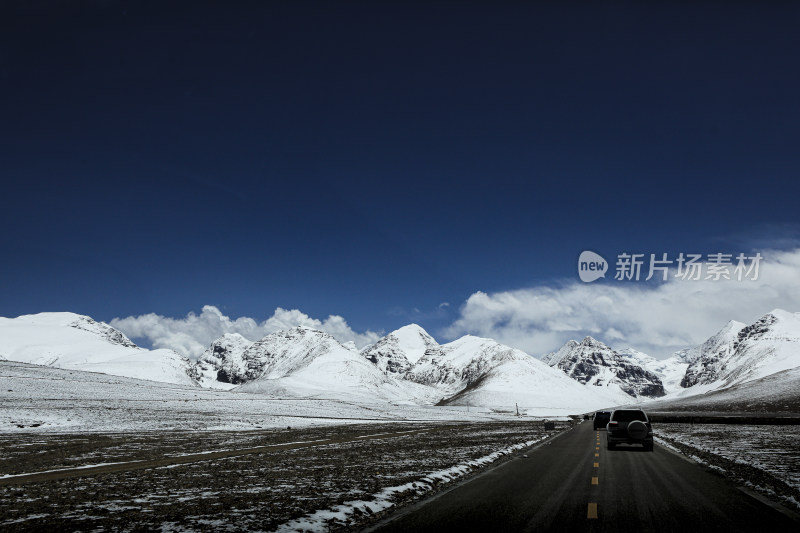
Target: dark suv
[629, 426]
[600, 419]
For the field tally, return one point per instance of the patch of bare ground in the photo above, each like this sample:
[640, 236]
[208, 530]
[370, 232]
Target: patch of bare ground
[254, 491]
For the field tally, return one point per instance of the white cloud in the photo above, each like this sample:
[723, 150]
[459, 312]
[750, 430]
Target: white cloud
[656, 319]
[194, 333]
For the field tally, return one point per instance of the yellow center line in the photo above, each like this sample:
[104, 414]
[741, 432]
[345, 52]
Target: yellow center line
[597, 465]
[592, 512]
[595, 481]
[596, 448]
[597, 455]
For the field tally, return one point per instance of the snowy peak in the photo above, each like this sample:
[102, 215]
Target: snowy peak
[222, 365]
[103, 330]
[707, 360]
[399, 350]
[414, 341]
[769, 345]
[458, 364]
[81, 322]
[670, 371]
[717, 342]
[283, 352]
[553, 358]
[640, 358]
[591, 362]
[69, 340]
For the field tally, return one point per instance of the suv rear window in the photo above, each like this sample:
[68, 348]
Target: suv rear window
[628, 416]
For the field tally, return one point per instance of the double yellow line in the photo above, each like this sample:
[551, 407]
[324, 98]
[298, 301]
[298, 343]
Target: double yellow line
[591, 513]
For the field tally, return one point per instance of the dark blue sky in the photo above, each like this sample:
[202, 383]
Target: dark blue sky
[366, 160]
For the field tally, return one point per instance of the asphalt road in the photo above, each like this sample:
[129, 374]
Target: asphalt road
[575, 484]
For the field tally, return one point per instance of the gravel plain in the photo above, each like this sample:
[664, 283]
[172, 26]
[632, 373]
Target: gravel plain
[251, 492]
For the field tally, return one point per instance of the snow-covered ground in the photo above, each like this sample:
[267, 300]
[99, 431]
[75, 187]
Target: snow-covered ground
[40, 398]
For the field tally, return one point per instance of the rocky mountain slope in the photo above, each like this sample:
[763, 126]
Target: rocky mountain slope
[738, 353]
[706, 360]
[223, 365]
[398, 351]
[670, 371]
[591, 362]
[458, 364]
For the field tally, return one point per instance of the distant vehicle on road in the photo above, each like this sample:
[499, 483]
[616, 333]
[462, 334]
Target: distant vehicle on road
[600, 419]
[629, 426]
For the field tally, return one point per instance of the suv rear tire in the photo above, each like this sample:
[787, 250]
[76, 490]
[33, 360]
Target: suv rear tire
[637, 430]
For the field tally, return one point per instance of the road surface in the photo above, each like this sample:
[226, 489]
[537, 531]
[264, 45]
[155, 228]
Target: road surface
[574, 484]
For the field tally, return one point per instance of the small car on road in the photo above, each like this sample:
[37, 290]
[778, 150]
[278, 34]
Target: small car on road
[629, 426]
[600, 419]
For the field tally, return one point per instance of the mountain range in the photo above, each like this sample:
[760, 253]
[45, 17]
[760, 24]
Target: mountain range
[409, 366]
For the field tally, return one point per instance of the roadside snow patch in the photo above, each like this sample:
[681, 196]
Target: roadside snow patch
[341, 514]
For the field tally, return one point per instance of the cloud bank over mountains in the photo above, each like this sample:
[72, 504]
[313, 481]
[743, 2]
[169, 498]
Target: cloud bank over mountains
[194, 333]
[656, 318]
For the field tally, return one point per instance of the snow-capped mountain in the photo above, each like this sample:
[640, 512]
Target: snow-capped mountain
[482, 372]
[223, 365]
[591, 362]
[398, 351]
[453, 366]
[535, 388]
[72, 341]
[670, 371]
[777, 394]
[740, 354]
[552, 358]
[705, 361]
[303, 362]
[407, 365]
